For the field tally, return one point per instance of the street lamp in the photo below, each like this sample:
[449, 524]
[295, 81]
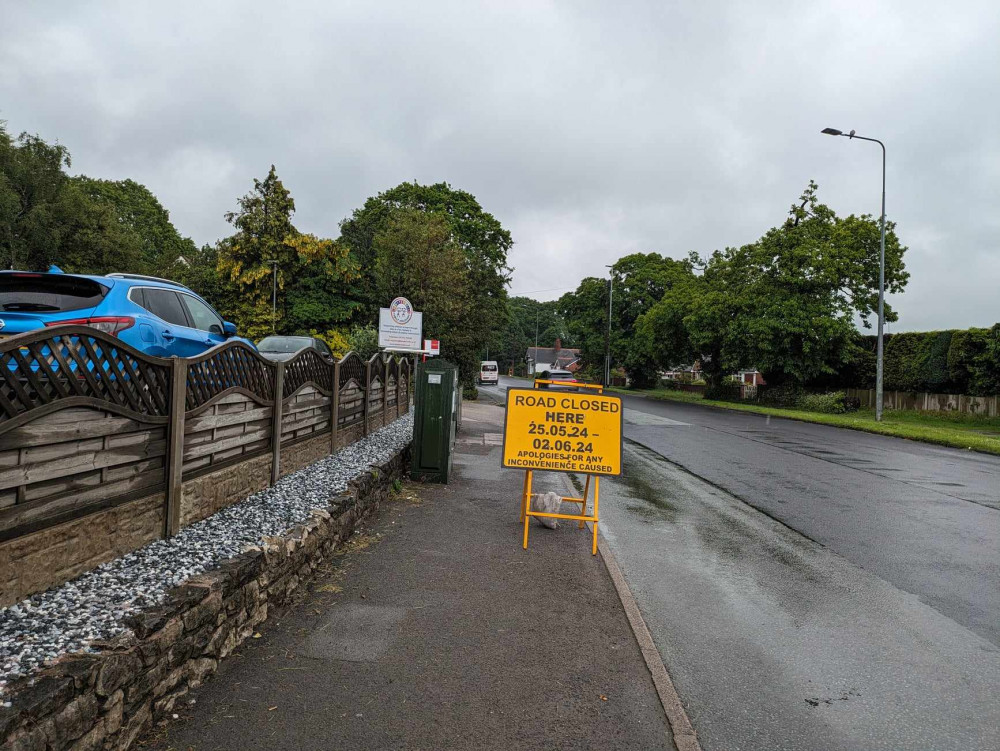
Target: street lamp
[607, 340]
[881, 272]
[274, 292]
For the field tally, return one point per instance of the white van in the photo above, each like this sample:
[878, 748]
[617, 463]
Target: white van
[489, 372]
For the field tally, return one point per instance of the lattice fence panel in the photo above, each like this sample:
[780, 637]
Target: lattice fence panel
[308, 367]
[44, 367]
[352, 367]
[231, 367]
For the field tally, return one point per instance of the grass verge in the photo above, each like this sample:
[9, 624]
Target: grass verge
[957, 430]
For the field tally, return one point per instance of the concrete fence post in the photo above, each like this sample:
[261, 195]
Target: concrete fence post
[335, 407]
[175, 448]
[368, 392]
[279, 386]
[385, 392]
[399, 380]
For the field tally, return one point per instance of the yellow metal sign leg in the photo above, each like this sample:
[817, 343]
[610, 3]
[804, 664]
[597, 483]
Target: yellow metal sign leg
[527, 501]
[524, 497]
[583, 510]
[597, 493]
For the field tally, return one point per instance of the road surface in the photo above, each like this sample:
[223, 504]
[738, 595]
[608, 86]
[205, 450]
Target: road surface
[812, 587]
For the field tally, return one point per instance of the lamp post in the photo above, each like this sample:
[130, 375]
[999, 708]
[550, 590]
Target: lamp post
[607, 339]
[881, 272]
[274, 292]
[535, 352]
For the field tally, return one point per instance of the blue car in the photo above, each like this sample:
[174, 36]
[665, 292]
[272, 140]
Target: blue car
[153, 315]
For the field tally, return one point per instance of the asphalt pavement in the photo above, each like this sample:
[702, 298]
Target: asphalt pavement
[437, 630]
[777, 642]
[924, 518]
[810, 587]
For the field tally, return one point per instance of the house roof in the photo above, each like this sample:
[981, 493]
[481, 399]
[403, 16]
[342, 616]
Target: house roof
[560, 358]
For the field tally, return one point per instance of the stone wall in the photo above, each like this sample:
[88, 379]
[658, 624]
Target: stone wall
[34, 562]
[108, 699]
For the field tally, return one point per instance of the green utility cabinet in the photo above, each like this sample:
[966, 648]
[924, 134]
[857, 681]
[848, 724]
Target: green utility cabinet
[438, 400]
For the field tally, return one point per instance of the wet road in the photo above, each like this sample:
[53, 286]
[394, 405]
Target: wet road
[811, 587]
[776, 642]
[924, 518]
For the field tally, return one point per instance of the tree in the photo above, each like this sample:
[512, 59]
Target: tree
[416, 255]
[640, 281]
[201, 274]
[479, 235]
[32, 200]
[319, 295]
[92, 238]
[786, 304]
[363, 340]
[82, 224]
[313, 292]
[586, 314]
[263, 223]
[160, 249]
[660, 333]
[509, 345]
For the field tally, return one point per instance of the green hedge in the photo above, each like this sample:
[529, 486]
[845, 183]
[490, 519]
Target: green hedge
[942, 362]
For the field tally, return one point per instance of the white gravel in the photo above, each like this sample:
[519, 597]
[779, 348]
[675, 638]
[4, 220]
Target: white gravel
[92, 606]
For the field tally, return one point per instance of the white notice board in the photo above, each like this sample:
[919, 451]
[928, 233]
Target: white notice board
[400, 327]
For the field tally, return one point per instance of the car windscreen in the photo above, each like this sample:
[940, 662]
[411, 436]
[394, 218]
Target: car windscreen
[48, 293]
[283, 344]
[489, 368]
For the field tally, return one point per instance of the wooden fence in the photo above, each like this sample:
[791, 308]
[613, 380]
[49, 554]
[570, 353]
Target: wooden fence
[88, 423]
[987, 406]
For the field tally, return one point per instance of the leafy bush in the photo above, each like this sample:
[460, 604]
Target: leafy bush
[727, 391]
[834, 403]
[668, 384]
[918, 361]
[967, 347]
[470, 393]
[944, 362]
[786, 395]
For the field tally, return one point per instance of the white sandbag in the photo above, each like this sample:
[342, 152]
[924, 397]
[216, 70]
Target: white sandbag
[547, 503]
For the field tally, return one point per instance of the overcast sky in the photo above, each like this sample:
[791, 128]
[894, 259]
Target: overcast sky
[589, 129]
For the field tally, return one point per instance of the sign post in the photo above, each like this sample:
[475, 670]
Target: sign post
[561, 431]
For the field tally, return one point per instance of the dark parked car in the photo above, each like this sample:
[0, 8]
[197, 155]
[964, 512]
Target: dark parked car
[279, 348]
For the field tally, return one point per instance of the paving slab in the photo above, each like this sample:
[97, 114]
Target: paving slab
[436, 630]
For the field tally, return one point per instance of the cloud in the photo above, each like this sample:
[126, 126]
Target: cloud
[589, 129]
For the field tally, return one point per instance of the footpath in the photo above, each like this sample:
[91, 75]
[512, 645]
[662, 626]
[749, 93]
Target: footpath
[436, 630]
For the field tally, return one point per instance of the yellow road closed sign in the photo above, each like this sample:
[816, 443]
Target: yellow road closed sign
[563, 432]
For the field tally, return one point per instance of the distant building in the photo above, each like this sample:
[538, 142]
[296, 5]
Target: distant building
[540, 359]
[685, 373]
[750, 377]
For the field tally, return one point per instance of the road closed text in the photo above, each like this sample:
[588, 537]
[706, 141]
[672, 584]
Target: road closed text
[563, 432]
